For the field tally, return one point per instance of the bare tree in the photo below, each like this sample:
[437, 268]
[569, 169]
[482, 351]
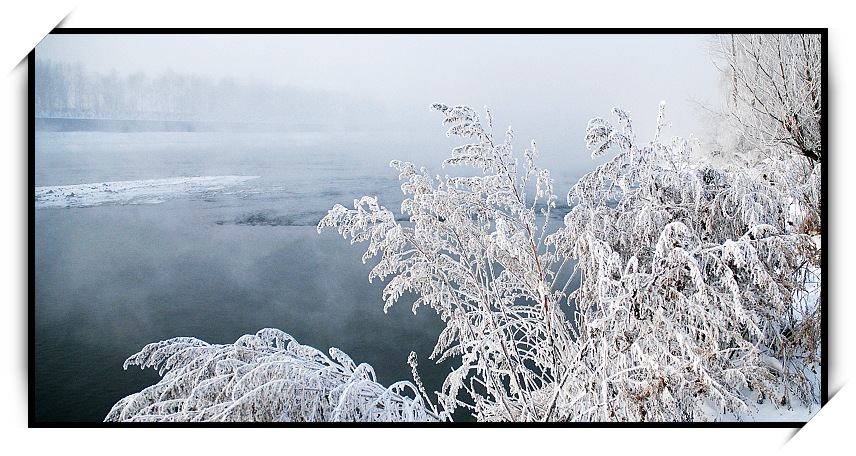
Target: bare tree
[775, 101]
[776, 89]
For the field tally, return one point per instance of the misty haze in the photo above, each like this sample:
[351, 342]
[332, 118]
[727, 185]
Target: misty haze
[179, 180]
[112, 277]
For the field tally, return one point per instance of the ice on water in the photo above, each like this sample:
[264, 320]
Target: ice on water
[149, 191]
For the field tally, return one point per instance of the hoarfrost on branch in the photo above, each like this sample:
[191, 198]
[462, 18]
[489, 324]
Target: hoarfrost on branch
[267, 376]
[693, 280]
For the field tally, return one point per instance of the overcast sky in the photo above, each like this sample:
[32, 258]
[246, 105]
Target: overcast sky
[546, 86]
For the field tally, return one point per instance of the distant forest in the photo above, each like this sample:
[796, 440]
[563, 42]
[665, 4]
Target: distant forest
[69, 91]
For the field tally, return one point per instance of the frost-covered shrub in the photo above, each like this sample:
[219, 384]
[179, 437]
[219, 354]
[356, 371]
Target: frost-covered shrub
[473, 250]
[693, 286]
[775, 84]
[698, 296]
[263, 377]
[775, 104]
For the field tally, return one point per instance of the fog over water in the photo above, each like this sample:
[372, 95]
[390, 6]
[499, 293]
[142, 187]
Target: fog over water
[546, 86]
[218, 264]
[111, 278]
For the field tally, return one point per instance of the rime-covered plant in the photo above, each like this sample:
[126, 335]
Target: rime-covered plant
[698, 295]
[268, 376]
[693, 286]
[473, 250]
[775, 101]
[775, 83]
[694, 296]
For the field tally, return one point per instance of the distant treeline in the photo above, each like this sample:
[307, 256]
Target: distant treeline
[57, 124]
[69, 91]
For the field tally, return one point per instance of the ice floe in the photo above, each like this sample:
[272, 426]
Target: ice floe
[150, 191]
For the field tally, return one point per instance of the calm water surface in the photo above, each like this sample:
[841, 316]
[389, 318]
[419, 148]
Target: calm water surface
[110, 279]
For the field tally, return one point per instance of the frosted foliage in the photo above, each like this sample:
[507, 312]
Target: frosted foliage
[693, 287]
[776, 88]
[775, 102]
[473, 250]
[268, 376]
[699, 294]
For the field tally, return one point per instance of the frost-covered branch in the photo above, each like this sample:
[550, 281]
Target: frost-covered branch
[473, 249]
[776, 88]
[263, 377]
[776, 105]
[690, 275]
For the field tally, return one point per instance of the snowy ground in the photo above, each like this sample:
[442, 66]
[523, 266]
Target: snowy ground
[151, 191]
[769, 412]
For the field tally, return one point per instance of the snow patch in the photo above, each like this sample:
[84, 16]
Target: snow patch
[151, 191]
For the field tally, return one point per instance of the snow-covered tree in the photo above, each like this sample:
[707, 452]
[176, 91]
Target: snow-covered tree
[776, 88]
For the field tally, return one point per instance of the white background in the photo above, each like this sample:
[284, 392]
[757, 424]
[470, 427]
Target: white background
[24, 24]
